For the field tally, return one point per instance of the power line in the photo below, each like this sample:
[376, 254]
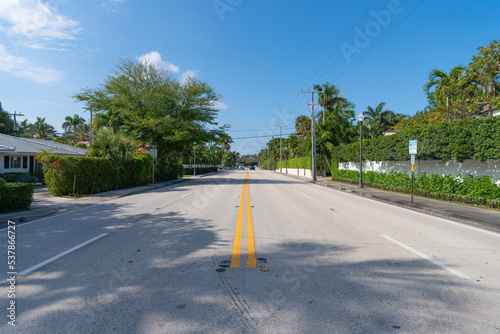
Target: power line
[286, 134]
[294, 105]
[364, 30]
[338, 46]
[357, 61]
[408, 99]
[250, 130]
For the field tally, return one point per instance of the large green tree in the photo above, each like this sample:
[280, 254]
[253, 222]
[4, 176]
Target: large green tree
[451, 92]
[6, 123]
[485, 69]
[156, 108]
[330, 99]
[303, 127]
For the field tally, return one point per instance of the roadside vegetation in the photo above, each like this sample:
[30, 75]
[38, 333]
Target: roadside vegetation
[137, 107]
[456, 124]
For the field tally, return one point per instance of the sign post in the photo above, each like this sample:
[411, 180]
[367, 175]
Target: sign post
[154, 154]
[413, 152]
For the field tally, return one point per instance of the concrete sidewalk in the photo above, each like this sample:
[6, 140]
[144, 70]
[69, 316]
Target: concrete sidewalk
[45, 205]
[480, 217]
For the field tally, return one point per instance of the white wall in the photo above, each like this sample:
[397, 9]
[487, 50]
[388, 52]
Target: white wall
[473, 167]
[296, 171]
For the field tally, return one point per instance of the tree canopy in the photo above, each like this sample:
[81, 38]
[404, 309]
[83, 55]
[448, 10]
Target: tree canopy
[154, 107]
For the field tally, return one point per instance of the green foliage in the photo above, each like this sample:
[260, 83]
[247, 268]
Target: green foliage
[154, 107]
[112, 146]
[6, 123]
[472, 138]
[302, 162]
[34, 177]
[94, 175]
[39, 130]
[199, 170]
[15, 196]
[469, 189]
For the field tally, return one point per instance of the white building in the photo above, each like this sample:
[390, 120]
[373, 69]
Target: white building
[17, 155]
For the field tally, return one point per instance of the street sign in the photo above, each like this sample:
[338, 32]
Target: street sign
[413, 159]
[153, 152]
[413, 147]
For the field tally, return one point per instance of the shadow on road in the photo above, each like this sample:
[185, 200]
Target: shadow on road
[170, 285]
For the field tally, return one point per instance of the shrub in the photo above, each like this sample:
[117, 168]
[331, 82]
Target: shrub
[199, 170]
[15, 196]
[469, 189]
[301, 162]
[90, 175]
[471, 138]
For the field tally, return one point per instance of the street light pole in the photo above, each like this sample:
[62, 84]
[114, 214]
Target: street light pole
[194, 170]
[361, 117]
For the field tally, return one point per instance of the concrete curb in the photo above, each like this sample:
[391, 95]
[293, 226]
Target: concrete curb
[476, 221]
[56, 209]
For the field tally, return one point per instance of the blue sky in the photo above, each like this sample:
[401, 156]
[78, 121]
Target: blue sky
[257, 54]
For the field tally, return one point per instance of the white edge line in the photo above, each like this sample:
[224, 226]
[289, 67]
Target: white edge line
[41, 264]
[185, 195]
[305, 195]
[437, 263]
[42, 219]
[445, 220]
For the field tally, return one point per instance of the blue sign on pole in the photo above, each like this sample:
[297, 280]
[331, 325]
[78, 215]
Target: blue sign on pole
[413, 147]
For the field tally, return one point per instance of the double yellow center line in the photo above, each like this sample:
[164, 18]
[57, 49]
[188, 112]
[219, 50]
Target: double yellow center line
[236, 255]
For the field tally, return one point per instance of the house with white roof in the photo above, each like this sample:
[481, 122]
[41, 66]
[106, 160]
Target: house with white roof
[17, 155]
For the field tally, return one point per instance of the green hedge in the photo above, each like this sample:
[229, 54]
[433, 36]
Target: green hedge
[472, 138]
[468, 189]
[15, 196]
[199, 170]
[34, 176]
[94, 175]
[302, 162]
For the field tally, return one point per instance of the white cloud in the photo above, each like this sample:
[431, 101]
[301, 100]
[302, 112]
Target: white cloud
[21, 67]
[36, 22]
[53, 104]
[220, 106]
[188, 74]
[154, 58]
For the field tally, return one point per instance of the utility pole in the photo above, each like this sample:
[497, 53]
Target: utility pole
[313, 132]
[194, 169]
[267, 156]
[15, 119]
[281, 150]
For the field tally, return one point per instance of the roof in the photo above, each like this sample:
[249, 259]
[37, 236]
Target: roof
[28, 146]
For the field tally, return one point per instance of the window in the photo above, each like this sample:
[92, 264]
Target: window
[15, 162]
[38, 167]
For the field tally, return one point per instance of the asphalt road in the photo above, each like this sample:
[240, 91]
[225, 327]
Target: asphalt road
[327, 262]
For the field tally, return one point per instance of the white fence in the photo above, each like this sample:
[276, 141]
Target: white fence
[451, 167]
[296, 171]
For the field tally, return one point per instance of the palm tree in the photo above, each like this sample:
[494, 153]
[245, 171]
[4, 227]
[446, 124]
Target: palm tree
[82, 131]
[378, 118]
[72, 122]
[329, 98]
[303, 127]
[109, 120]
[112, 146]
[447, 87]
[40, 130]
